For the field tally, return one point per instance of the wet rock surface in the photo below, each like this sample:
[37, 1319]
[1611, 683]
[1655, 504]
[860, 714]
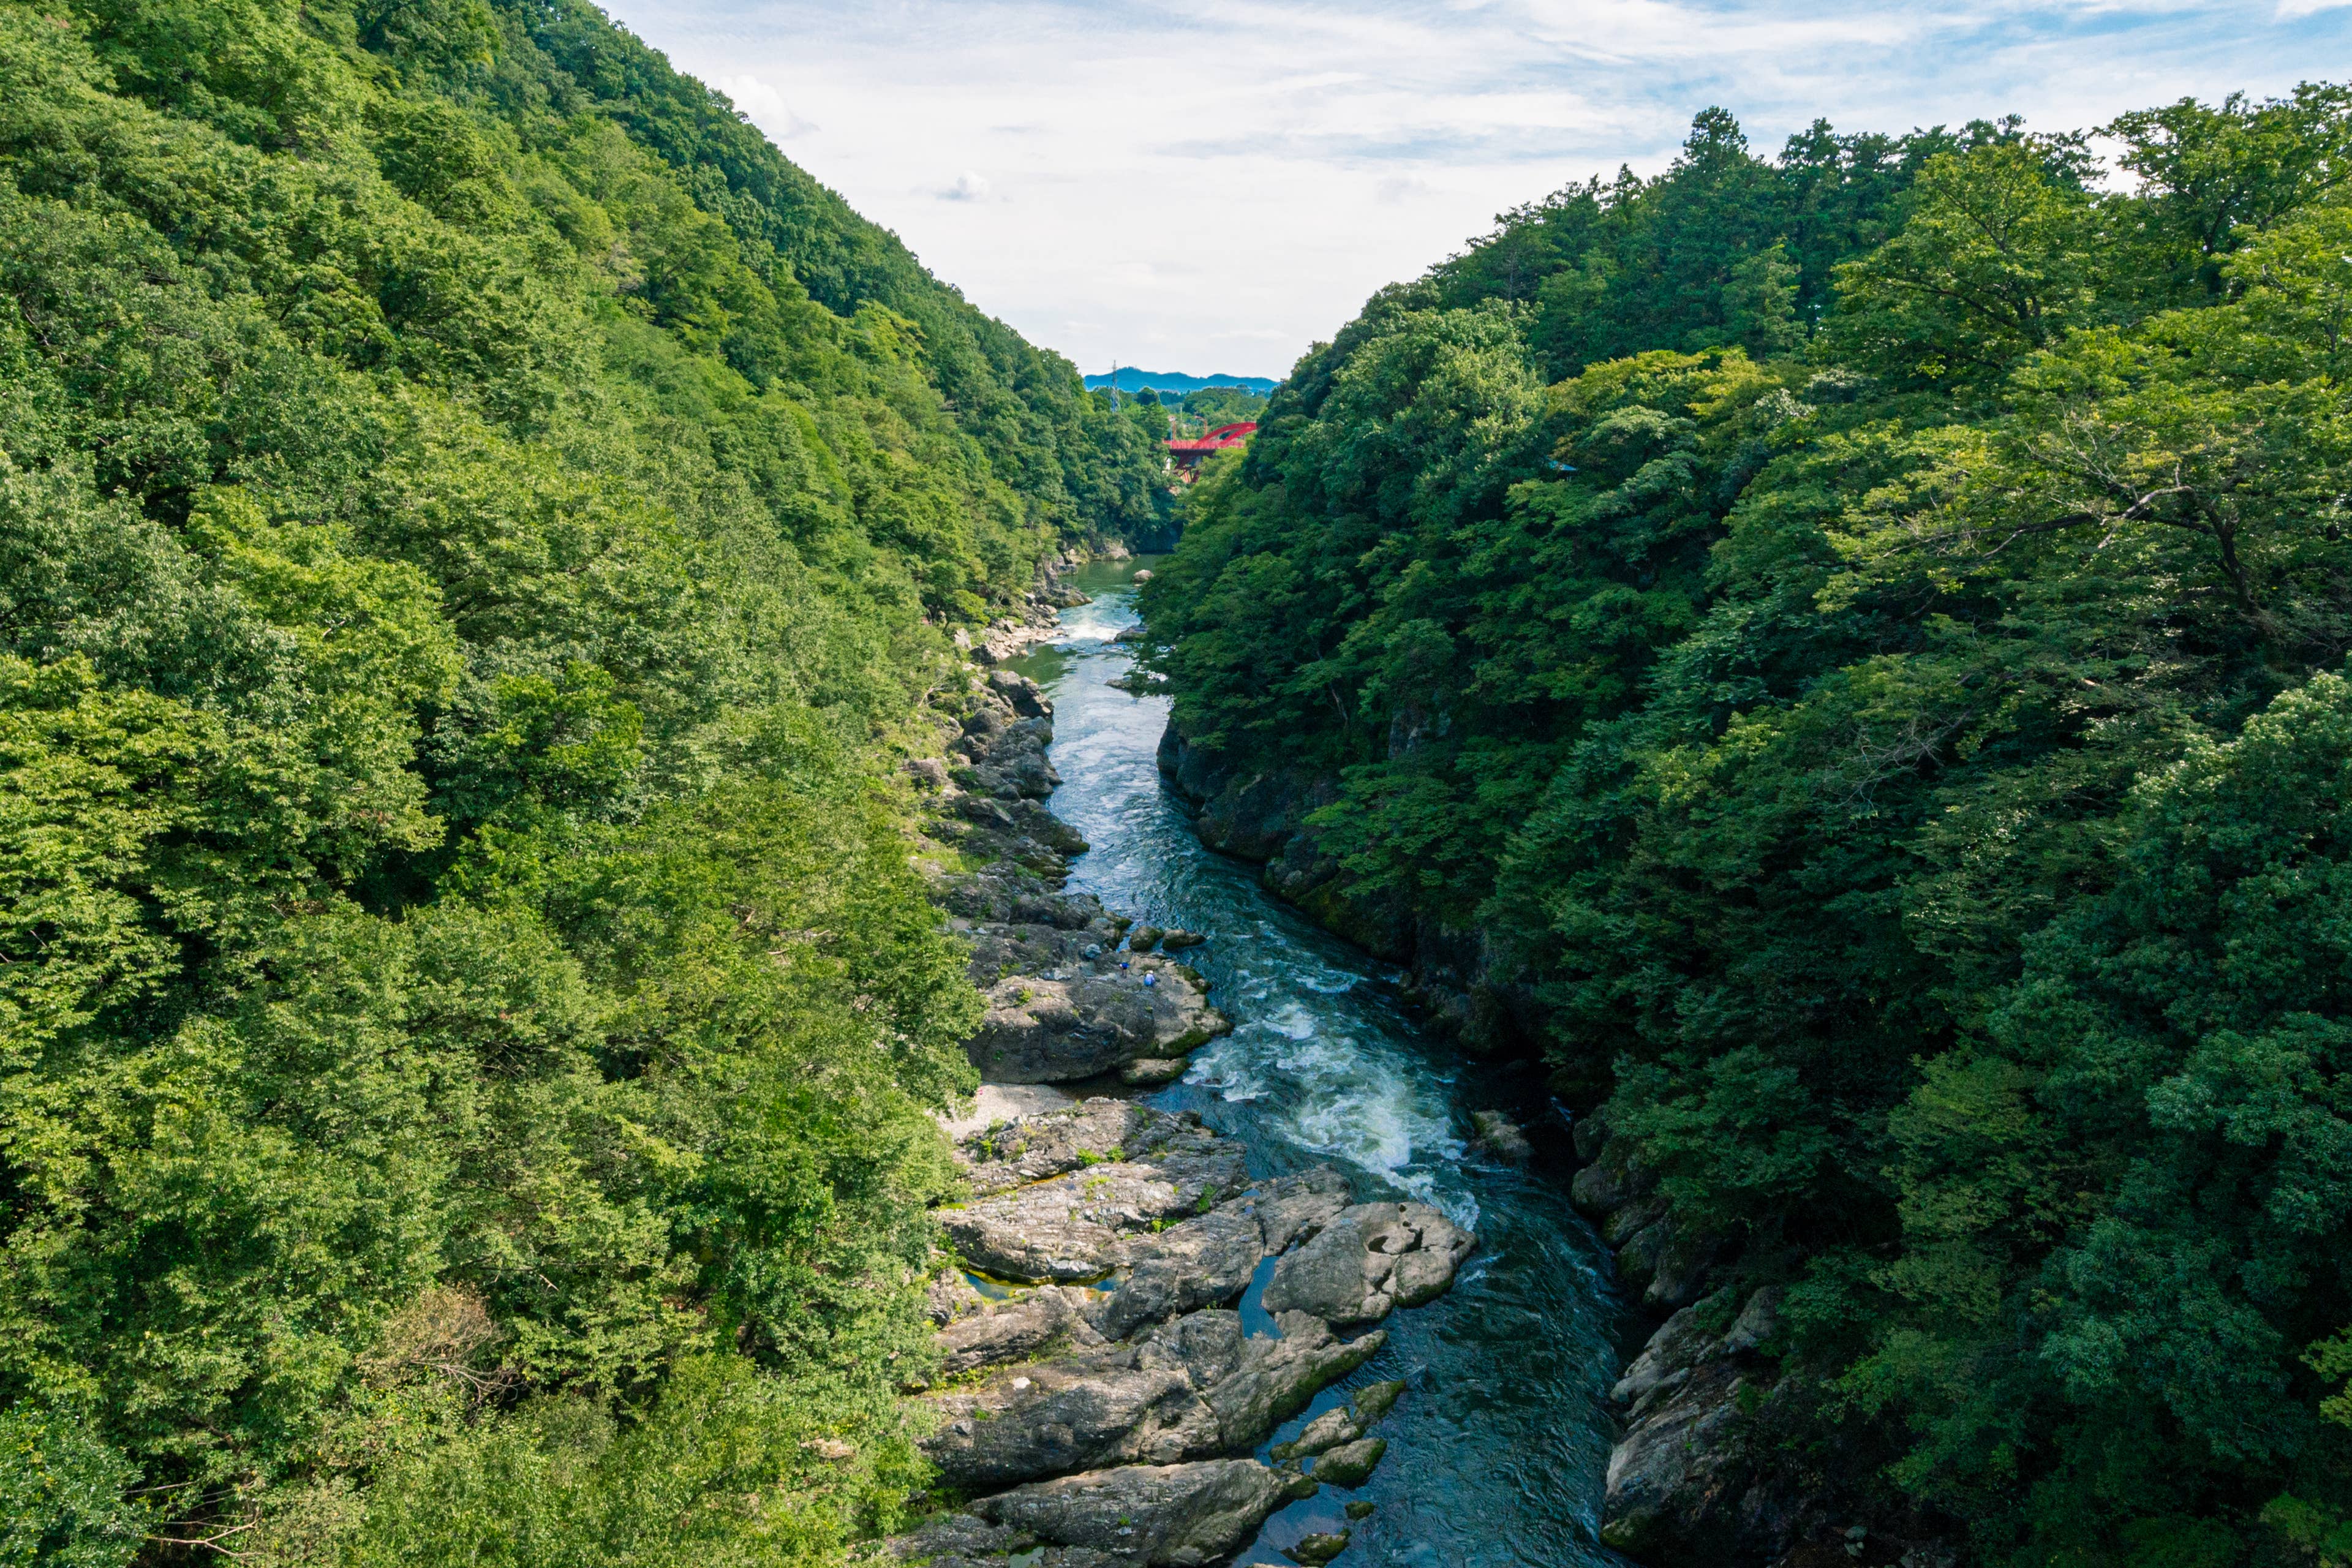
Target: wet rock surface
[1098, 1394]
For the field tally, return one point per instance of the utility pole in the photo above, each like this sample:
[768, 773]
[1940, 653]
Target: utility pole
[1113, 387]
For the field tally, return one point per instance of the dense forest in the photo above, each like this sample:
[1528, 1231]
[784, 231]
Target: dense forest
[474, 521]
[1845, 652]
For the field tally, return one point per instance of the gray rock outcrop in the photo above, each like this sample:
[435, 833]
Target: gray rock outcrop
[1370, 1259]
[1062, 1003]
[1192, 1388]
[1158, 1516]
[1101, 1178]
[1086, 1018]
[1064, 1397]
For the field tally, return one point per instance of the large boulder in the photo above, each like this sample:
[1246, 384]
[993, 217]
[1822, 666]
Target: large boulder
[1209, 1259]
[1073, 1228]
[1680, 1481]
[1274, 1378]
[1056, 1416]
[1205, 1261]
[1063, 1196]
[1090, 1021]
[1295, 1208]
[1673, 1480]
[1193, 1387]
[1149, 1516]
[1027, 696]
[1370, 1259]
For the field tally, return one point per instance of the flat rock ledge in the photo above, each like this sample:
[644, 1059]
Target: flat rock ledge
[1098, 1398]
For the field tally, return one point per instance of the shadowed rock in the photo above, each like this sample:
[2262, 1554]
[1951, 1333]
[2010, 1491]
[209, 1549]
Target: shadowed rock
[1676, 1480]
[1499, 1136]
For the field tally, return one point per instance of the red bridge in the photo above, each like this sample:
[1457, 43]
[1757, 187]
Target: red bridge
[1187, 454]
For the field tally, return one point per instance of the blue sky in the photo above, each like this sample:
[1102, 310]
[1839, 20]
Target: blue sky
[1211, 186]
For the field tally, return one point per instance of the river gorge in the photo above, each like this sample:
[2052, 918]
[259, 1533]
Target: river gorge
[1498, 1449]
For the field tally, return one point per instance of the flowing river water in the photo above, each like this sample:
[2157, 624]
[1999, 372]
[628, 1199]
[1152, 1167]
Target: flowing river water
[1496, 1454]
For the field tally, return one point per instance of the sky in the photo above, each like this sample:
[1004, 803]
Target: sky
[1211, 186]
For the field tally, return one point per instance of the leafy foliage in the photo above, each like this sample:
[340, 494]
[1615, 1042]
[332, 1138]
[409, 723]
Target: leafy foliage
[473, 521]
[1845, 648]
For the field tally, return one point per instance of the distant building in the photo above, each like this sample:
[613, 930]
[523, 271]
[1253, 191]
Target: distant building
[1188, 456]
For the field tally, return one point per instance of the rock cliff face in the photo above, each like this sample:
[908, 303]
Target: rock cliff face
[1697, 1477]
[1097, 1405]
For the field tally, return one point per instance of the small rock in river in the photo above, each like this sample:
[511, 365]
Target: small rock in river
[1500, 1136]
[1372, 1402]
[1351, 1464]
[1360, 1507]
[1314, 1550]
[1152, 1071]
[1178, 940]
[1325, 1432]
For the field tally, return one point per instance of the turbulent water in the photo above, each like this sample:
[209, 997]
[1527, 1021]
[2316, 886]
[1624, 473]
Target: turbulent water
[1496, 1456]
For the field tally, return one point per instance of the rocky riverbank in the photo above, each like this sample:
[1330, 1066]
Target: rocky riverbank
[1099, 1401]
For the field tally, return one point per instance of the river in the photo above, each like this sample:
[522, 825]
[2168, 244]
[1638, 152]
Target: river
[1496, 1454]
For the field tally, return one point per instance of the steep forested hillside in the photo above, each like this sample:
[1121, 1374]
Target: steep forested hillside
[1845, 651]
[471, 519]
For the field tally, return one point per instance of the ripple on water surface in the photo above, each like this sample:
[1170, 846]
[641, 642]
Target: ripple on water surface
[1496, 1455]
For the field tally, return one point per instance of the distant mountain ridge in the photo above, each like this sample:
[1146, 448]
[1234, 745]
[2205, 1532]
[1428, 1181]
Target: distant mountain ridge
[1127, 378]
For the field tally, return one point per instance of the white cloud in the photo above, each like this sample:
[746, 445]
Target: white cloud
[1244, 172]
[1398, 189]
[765, 106]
